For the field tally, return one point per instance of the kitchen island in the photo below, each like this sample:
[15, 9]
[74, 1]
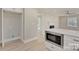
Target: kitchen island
[70, 40]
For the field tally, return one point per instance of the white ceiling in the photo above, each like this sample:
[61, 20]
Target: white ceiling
[58, 11]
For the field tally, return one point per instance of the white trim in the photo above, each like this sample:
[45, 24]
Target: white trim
[29, 40]
[11, 10]
[15, 38]
[2, 30]
[22, 28]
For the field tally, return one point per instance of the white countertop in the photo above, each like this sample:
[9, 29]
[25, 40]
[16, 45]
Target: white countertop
[65, 31]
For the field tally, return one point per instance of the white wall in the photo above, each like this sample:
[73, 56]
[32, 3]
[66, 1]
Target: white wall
[11, 25]
[30, 23]
[47, 20]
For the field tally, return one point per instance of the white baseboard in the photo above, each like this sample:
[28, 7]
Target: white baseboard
[29, 40]
[15, 38]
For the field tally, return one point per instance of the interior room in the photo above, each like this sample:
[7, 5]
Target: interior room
[39, 29]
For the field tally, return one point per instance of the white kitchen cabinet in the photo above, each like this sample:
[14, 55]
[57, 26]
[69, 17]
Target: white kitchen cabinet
[52, 47]
[71, 42]
[70, 39]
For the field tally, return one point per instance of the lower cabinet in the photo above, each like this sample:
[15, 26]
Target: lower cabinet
[71, 43]
[52, 47]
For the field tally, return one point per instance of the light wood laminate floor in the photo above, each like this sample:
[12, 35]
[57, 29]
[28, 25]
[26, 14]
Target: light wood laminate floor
[18, 45]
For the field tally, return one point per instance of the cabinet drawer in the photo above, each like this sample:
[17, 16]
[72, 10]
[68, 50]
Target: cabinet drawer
[71, 39]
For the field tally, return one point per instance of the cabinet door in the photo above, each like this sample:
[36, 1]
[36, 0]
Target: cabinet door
[68, 43]
[71, 43]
